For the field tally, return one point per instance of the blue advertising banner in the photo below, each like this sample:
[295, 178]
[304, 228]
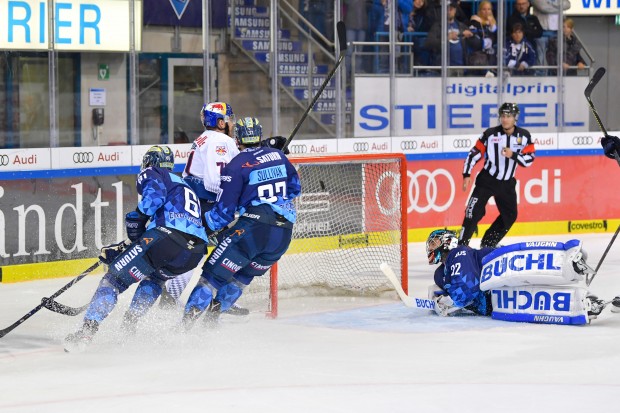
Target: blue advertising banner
[184, 13]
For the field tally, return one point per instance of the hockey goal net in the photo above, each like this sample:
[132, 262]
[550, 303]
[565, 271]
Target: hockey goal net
[351, 217]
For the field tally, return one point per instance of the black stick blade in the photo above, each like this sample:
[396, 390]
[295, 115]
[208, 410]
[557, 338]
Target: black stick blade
[342, 35]
[598, 75]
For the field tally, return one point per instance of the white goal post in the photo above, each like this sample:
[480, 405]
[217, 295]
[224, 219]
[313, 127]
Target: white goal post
[351, 218]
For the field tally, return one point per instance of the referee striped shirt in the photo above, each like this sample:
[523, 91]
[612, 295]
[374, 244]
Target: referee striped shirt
[490, 146]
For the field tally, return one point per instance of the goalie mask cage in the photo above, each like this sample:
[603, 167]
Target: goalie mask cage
[351, 217]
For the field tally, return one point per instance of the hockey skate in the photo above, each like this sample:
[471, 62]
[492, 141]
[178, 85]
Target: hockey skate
[189, 318]
[615, 305]
[78, 341]
[594, 306]
[212, 315]
[238, 311]
[167, 301]
[130, 323]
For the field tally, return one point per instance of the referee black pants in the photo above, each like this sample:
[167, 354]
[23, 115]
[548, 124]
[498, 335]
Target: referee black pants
[505, 195]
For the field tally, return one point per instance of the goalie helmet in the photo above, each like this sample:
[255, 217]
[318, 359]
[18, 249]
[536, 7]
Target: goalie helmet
[159, 156]
[212, 112]
[508, 108]
[439, 244]
[248, 131]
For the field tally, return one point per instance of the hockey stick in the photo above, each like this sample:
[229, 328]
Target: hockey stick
[421, 303]
[342, 41]
[59, 308]
[589, 280]
[10, 328]
[598, 75]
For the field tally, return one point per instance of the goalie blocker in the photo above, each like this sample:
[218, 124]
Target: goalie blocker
[535, 282]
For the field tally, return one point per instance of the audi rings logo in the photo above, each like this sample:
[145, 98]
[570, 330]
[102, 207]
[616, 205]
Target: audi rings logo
[361, 147]
[583, 140]
[83, 157]
[387, 193]
[408, 145]
[461, 143]
[298, 148]
[4, 160]
[430, 190]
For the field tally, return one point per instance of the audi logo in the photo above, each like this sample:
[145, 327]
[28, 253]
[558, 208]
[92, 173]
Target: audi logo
[432, 182]
[4, 160]
[361, 146]
[298, 148]
[83, 157]
[388, 198]
[408, 145]
[461, 143]
[583, 140]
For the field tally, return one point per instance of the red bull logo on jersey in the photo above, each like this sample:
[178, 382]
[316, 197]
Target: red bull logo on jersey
[221, 150]
[518, 263]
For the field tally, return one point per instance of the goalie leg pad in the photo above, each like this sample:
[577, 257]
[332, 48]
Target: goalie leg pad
[533, 263]
[538, 304]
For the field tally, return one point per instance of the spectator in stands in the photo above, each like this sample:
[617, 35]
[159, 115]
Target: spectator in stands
[419, 22]
[532, 29]
[315, 11]
[434, 11]
[548, 13]
[459, 37]
[484, 46]
[356, 21]
[572, 50]
[383, 23]
[519, 54]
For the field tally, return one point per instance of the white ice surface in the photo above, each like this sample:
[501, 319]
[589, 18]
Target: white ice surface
[321, 355]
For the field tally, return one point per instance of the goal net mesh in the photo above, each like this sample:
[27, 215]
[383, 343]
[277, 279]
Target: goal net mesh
[349, 220]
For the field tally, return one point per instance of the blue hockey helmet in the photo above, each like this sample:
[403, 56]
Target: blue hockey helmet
[212, 112]
[439, 244]
[160, 156]
[508, 108]
[248, 131]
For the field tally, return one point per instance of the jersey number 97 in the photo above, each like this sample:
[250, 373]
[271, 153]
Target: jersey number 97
[269, 192]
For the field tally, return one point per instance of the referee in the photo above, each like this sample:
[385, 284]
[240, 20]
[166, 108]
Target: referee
[503, 148]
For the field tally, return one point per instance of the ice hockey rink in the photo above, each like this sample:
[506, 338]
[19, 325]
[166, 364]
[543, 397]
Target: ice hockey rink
[321, 355]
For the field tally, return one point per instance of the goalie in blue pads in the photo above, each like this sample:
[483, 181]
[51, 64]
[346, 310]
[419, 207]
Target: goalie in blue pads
[527, 282]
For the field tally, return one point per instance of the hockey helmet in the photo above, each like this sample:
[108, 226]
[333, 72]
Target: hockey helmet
[159, 156]
[439, 244]
[211, 112]
[509, 109]
[248, 131]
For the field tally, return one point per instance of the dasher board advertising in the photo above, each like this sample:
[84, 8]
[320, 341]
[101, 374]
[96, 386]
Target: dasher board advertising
[79, 25]
[471, 105]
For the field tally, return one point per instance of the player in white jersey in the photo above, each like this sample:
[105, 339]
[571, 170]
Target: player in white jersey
[210, 153]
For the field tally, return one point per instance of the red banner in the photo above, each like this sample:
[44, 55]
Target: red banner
[555, 188]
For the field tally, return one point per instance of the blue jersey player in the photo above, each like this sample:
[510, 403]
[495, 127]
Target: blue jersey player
[167, 239]
[260, 184]
[458, 276]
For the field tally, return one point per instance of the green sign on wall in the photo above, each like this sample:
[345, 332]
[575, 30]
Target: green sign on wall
[104, 72]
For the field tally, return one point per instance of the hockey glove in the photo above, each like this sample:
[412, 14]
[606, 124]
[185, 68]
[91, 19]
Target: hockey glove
[135, 224]
[611, 145]
[276, 142]
[110, 252]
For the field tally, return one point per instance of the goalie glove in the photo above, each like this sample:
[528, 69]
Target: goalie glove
[110, 252]
[444, 306]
